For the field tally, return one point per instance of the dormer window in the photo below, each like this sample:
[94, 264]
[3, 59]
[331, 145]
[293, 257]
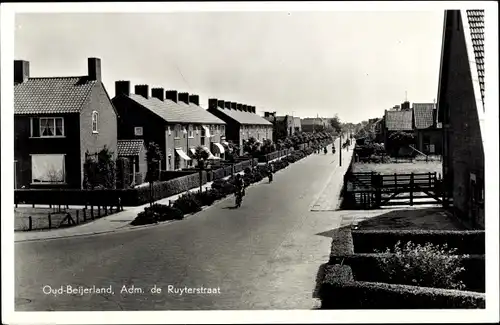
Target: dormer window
[95, 117]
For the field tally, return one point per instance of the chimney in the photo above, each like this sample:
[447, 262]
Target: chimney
[171, 95]
[142, 90]
[158, 93]
[21, 71]
[212, 103]
[220, 103]
[266, 114]
[233, 105]
[239, 107]
[122, 87]
[94, 65]
[246, 108]
[184, 97]
[194, 99]
[227, 105]
[253, 110]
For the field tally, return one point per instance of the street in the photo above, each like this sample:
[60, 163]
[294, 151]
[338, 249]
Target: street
[264, 255]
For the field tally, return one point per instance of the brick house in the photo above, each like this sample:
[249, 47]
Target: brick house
[170, 119]
[135, 151]
[428, 133]
[283, 126]
[461, 110]
[313, 124]
[241, 120]
[396, 121]
[57, 120]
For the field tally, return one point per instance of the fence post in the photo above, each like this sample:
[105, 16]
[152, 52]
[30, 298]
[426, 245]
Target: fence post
[77, 217]
[92, 212]
[84, 214]
[411, 189]
[105, 210]
[30, 222]
[395, 182]
[50, 221]
[98, 211]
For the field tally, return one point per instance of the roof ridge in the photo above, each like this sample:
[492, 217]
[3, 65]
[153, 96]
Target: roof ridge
[60, 77]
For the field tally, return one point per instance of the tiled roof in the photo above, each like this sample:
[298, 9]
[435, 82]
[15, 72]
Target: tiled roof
[195, 113]
[424, 115]
[130, 147]
[176, 112]
[399, 120]
[244, 117]
[53, 95]
[476, 27]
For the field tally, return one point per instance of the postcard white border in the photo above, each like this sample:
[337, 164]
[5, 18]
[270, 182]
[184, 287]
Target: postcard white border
[490, 314]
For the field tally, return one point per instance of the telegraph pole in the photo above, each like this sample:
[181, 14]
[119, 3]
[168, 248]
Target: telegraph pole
[340, 149]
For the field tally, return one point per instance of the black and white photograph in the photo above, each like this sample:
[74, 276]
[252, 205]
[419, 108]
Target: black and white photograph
[249, 162]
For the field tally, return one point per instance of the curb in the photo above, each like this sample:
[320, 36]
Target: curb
[129, 227]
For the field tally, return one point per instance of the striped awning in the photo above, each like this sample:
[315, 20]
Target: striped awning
[210, 155]
[182, 154]
[220, 147]
[207, 131]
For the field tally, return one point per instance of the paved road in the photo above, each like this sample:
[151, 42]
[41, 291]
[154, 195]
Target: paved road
[264, 255]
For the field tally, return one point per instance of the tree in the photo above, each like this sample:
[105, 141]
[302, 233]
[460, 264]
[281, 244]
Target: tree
[201, 155]
[99, 170]
[251, 146]
[267, 147]
[153, 158]
[336, 125]
[400, 140]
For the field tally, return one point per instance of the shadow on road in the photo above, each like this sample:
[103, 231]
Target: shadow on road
[231, 207]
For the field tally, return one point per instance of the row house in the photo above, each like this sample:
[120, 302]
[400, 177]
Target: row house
[242, 121]
[172, 120]
[57, 122]
[427, 130]
[461, 110]
[283, 126]
[314, 124]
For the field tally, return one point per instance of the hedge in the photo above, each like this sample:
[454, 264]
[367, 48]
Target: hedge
[372, 295]
[366, 267]
[465, 241]
[166, 175]
[128, 197]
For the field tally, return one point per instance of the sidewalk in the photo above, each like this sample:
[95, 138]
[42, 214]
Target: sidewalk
[116, 222]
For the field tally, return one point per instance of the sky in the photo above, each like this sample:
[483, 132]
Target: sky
[354, 64]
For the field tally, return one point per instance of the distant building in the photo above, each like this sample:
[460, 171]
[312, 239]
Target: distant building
[241, 120]
[314, 124]
[461, 111]
[174, 121]
[57, 121]
[429, 137]
[283, 126]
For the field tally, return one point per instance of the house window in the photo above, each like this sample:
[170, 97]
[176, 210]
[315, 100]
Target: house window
[169, 130]
[48, 169]
[138, 130]
[47, 127]
[223, 128]
[197, 130]
[95, 117]
[217, 129]
[190, 131]
[177, 131]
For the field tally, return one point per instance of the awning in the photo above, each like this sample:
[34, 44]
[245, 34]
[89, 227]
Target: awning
[225, 143]
[207, 131]
[210, 155]
[193, 151]
[220, 147]
[182, 154]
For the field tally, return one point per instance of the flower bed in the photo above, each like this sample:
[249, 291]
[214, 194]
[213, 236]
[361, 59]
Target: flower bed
[193, 202]
[394, 269]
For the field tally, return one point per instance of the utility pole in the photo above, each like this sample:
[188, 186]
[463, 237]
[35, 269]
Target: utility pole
[340, 149]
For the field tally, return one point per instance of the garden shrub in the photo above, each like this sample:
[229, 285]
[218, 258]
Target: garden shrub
[218, 174]
[166, 212]
[465, 241]
[206, 197]
[370, 295]
[188, 203]
[426, 265]
[145, 218]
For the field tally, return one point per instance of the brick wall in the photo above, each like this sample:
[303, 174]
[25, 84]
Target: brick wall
[100, 102]
[464, 152]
